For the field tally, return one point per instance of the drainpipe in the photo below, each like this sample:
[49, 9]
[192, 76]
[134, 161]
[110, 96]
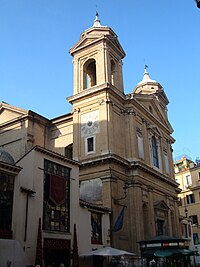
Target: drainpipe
[28, 193]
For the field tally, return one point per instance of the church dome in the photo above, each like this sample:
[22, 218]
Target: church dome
[6, 157]
[146, 77]
[147, 86]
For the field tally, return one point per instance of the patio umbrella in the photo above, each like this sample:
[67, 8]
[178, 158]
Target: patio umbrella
[107, 251]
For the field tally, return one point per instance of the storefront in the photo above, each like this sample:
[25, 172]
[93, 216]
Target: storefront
[165, 251]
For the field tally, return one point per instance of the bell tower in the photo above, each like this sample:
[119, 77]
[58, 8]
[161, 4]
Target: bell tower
[98, 84]
[97, 59]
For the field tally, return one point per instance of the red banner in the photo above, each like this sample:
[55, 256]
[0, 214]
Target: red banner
[57, 189]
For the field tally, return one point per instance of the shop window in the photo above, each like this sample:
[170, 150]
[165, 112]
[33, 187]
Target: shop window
[56, 212]
[96, 227]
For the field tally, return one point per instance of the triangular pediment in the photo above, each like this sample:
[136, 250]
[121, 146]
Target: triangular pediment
[161, 205]
[155, 129]
[153, 106]
[9, 113]
[114, 41]
[85, 41]
[93, 36]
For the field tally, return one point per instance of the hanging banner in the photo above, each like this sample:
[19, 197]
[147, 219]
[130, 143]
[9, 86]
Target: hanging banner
[57, 192]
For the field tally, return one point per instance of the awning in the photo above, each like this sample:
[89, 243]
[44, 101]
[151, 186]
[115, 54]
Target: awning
[187, 252]
[163, 253]
[148, 253]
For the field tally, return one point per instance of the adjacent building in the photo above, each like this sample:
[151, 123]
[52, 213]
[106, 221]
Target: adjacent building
[40, 192]
[113, 151]
[187, 174]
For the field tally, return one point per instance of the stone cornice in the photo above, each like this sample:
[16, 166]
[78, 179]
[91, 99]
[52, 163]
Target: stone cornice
[130, 165]
[55, 155]
[11, 169]
[93, 206]
[93, 90]
[51, 154]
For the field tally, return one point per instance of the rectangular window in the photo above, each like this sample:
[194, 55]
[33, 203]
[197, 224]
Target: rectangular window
[160, 227]
[56, 211]
[194, 219]
[140, 146]
[90, 144]
[188, 180]
[195, 238]
[190, 199]
[199, 176]
[166, 159]
[96, 226]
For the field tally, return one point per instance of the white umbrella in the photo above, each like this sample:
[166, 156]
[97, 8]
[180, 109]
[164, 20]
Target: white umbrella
[107, 251]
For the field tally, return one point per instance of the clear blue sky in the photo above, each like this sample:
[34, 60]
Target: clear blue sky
[36, 69]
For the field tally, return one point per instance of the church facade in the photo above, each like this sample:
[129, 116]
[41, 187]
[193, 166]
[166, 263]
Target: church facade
[121, 143]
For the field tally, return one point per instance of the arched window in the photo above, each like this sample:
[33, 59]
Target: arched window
[69, 151]
[89, 74]
[155, 152]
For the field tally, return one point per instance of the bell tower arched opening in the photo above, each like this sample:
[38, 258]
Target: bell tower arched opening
[89, 74]
[113, 72]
